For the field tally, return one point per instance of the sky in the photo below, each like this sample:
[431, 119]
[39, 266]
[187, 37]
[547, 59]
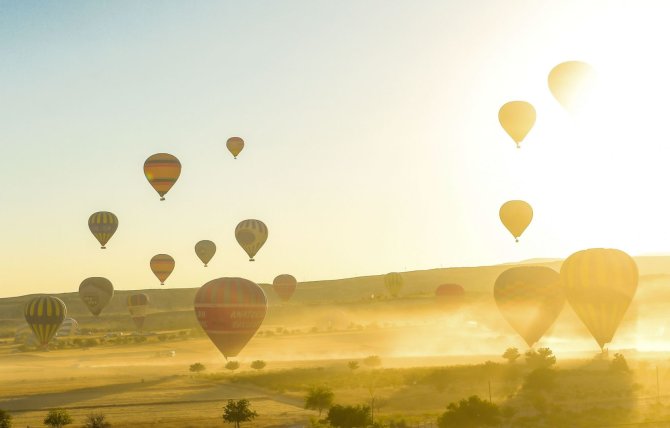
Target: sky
[371, 129]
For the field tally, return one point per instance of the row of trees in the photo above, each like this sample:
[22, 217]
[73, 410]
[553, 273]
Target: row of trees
[230, 365]
[59, 418]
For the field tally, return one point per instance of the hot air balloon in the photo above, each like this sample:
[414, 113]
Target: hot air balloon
[516, 216]
[205, 251]
[230, 310]
[96, 292]
[393, 282]
[571, 83]
[235, 145]
[137, 306]
[449, 294]
[599, 284]
[103, 224]
[162, 266]
[530, 298]
[284, 285]
[251, 235]
[517, 119]
[44, 315]
[162, 170]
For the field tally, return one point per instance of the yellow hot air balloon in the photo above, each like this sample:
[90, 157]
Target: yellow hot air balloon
[517, 119]
[571, 83]
[599, 284]
[102, 225]
[205, 251]
[162, 266]
[393, 282]
[530, 298]
[235, 145]
[516, 216]
[44, 315]
[162, 170]
[251, 235]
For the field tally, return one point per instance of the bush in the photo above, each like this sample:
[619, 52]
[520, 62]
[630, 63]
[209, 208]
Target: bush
[319, 398]
[232, 365]
[197, 368]
[349, 416]
[5, 419]
[540, 379]
[542, 358]
[372, 361]
[471, 413]
[96, 421]
[619, 364]
[57, 418]
[258, 365]
[353, 365]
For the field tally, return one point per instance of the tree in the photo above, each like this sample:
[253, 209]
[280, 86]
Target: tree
[353, 365]
[540, 379]
[258, 364]
[58, 418]
[349, 416]
[542, 358]
[471, 413]
[232, 365]
[511, 355]
[5, 419]
[619, 363]
[319, 398]
[96, 421]
[238, 411]
[197, 368]
[372, 361]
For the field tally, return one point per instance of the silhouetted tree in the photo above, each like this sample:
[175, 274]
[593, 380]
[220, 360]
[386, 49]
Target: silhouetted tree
[471, 413]
[349, 416]
[319, 398]
[619, 363]
[542, 358]
[57, 418]
[238, 411]
[511, 355]
[96, 421]
[353, 365]
[5, 419]
[372, 361]
[197, 368]
[258, 364]
[232, 365]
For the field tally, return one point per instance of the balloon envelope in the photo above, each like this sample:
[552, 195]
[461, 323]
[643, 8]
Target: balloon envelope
[516, 216]
[162, 170]
[205, 250]
[44, 315]
[137, 306]
[517, 119]
[162, 266]
[530, 298]
[251, 235]
[599, 284]
[235, 145]
[102, 225]
[393, 282]
[96, 292]
[230, 310]
[571, 83]
[284, 285]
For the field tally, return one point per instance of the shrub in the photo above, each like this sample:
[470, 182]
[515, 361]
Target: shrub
[5, 419]
[372, 361]
[197, 368]
[471, 413]
[258, 364]
[232, 365]
[57, 418]
[349, 416]
[96, 421]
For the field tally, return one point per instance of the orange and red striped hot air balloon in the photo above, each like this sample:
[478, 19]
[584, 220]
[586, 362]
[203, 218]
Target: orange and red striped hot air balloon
[284, 285]
[137, 306]
[230, 310]
[162, 266]
[162, 170]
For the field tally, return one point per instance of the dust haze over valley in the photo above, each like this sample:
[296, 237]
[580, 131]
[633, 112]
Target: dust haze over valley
[333, 214]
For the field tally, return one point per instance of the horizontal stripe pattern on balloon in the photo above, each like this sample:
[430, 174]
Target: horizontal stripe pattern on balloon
[162, 171]
[162, 266]
[137, 306]
[284, 285]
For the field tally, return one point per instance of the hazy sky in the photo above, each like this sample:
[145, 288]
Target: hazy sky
[373, 142]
